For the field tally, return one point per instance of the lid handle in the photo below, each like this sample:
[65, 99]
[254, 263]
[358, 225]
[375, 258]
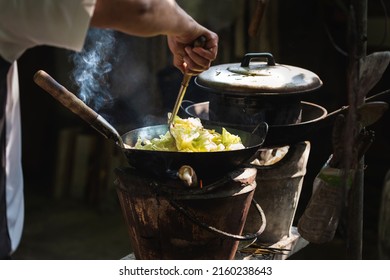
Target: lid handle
[249, 56]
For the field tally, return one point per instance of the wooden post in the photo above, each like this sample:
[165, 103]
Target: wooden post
[358, 49]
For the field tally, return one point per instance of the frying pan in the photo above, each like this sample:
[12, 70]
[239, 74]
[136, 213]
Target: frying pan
[159, 163]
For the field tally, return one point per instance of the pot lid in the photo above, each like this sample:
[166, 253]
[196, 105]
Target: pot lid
[258, 78]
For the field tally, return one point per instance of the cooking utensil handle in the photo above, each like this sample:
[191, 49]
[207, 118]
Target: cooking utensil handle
[249, 56]
[180, 96]
[200, 42]
[74, 104]
[65, 97]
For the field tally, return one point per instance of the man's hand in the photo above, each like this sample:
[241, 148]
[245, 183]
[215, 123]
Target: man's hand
[193, 60]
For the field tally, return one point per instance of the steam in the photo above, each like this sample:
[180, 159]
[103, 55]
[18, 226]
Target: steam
[112, 76]
[92, 67]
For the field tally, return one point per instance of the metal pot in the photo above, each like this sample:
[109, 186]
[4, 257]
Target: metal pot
[314, 119]
[251, 92]
[159, 163]
[277, 135]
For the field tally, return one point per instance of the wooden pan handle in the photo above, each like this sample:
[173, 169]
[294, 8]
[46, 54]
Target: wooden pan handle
[65, 97]
[74, 104]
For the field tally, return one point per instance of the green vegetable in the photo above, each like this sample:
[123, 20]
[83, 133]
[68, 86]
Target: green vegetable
[190, 136]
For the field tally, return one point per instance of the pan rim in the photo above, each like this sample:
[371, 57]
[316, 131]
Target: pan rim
[254, 137]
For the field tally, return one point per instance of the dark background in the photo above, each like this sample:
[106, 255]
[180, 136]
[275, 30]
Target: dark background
[302, 40]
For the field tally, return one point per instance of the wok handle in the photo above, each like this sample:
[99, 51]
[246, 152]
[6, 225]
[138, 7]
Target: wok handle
[65, 97]
[74, 104]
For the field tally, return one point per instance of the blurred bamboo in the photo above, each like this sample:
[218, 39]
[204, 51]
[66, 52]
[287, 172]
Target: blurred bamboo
[358, 48]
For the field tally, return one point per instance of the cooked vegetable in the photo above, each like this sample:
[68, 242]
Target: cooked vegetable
[190, 136]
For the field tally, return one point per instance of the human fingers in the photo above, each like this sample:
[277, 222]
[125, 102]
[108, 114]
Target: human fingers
[195, 64]
[198, 60]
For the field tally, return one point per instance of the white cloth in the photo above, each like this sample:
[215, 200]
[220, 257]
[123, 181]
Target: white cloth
[25, 24]
[13, 168]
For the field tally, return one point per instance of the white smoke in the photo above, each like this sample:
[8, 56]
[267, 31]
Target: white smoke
[92, 67]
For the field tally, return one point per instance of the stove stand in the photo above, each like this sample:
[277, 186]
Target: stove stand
[168, 220]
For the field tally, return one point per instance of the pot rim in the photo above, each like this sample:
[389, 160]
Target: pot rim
[304, 104]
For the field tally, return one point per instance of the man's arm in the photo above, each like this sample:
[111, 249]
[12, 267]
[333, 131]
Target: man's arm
[160, 17]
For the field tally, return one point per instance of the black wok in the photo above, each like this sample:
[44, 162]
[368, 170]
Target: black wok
[205, 164]
[160, 163]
